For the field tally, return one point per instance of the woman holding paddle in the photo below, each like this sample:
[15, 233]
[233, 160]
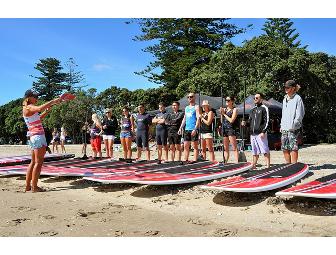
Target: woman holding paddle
[36, 136]
[229, 118]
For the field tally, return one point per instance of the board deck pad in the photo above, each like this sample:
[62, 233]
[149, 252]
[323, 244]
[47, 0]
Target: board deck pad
[175, 174]
[262, 180]
[324, 187]
[25, 159]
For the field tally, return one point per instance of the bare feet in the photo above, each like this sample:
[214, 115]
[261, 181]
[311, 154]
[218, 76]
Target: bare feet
[28, 188]
[38, 189]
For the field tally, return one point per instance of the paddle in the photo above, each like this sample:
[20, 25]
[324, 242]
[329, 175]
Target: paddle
[222, 127]
[242, 156]
[67, 97]
[200, 157]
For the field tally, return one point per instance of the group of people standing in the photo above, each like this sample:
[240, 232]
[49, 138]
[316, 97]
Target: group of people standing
[193, 124]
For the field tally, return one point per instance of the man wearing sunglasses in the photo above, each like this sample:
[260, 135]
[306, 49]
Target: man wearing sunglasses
[291, 121]
[191, 122]
[258, 122]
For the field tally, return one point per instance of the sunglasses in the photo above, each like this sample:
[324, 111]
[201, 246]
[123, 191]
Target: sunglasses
[190, 96]
[256, 98]
[227, 100]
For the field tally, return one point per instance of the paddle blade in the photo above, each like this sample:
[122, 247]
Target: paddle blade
[242, 157]
[67, 97]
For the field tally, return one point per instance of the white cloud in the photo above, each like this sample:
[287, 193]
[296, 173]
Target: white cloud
[101, 67]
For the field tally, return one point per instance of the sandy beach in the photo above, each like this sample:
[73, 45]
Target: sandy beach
[76, 207]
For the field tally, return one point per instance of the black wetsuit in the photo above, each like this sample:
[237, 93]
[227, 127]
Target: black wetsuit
[142, 134]
[161, 130]
[173, 123]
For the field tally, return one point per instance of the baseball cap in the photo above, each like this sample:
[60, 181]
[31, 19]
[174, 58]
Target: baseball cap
[108, 110]
[30, 93]
[205, 102]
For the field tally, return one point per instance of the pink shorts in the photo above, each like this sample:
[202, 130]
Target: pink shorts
[259, 146]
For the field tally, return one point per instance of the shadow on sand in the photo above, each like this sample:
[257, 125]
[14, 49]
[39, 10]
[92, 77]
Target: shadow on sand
[238, 199]
[151, 191]
[311, 206]
[322, 167]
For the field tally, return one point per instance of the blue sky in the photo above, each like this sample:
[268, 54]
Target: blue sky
[104, 50]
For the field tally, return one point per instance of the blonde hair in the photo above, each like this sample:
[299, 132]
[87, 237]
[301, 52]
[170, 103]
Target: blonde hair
[95, 119]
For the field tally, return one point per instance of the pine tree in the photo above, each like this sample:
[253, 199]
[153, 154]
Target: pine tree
[281, 29]
[179, 44]
[52, 81]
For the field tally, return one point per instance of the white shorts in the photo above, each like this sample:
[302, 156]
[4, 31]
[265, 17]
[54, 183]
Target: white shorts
[108, 137]
[206, 136]
[62, 138]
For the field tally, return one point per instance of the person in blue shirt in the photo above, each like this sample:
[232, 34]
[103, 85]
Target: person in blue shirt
[191, 122]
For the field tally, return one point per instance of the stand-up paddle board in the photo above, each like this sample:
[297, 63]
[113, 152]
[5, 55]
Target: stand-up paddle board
[25, 159]
[176, 174]
[262, 180]
[324, 187]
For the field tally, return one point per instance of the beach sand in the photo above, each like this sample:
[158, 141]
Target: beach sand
[76, 207]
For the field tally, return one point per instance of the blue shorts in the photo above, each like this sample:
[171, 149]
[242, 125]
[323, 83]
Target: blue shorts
[125, 135]
[37, 141]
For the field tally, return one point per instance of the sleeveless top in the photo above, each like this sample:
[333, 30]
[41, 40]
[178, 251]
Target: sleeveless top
[34, 125]
[190, 112]
[126, 124]
[204, 127]
[94, 131]
[227, 124]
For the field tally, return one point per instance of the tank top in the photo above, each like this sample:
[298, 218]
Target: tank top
[94, 131]
[204, 127]
[227, 124]
[190, 112]
[34, 125]
[126, 124]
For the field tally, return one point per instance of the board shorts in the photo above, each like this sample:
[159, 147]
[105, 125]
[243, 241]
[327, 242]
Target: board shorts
[142, 139]
[229, 132]
[125, 135]
[108, 137]
[161, 137]
[174, 138]
[37, 141]
[289, 140]
[206, 136]
[189, 138]
[96, 144]
[259, 145]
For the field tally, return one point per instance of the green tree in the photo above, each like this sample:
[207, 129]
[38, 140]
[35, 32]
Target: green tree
[52, 81]
[180, 43]
[282, 29]
[74, 78]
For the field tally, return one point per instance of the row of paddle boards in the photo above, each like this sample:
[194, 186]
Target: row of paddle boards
[151, 173]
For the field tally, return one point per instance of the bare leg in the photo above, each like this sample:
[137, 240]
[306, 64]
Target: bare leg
[165, 148]
[195, 146]
[294, 156]
[179, 151]
[268, 159]
[204, 147]
[226, 143]
[148, 153]
[29, 172]
[159, 147]
[255, 160]
[39, 158]
[124, 146]
[209, 144]
[287, 156]
[186, 150]
[111, 148]
[233, 142]
[172, 152]
[107, 148]
[129, 147]
[139, 150]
